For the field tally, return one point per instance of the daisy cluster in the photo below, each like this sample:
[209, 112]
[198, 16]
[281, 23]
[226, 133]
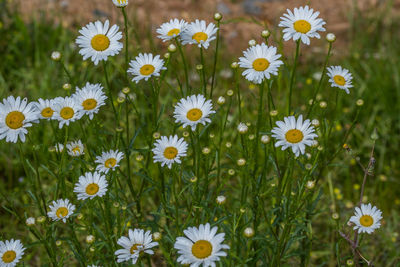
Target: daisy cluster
[200, 245]
[17, 114]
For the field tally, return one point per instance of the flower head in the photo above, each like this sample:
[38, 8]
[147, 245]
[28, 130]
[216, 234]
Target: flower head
[171, 29]
[367, 218]
[16, 115]
[66, 110]
[303, 23]
[340, 77]
[109, 160]
[200, 246]
[120, 3]
[91, 185]
[145, 66]
[294, 134]
[11, 252]
[199, 33]
[260, 62]
[45, 108]
[61, 209]
[75, 148]
[90, 98]
[193, 110]
[169, 150]
[97, 41]
[137, 242]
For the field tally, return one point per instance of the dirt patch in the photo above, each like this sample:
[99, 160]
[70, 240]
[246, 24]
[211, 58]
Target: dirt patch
[336, 13]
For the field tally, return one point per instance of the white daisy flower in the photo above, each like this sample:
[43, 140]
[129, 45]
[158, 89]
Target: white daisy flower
[145, 66]
[66, 110]
[75, 148]
[260, 62]
[59, 147]
[294, 134]
[98, 41]
[45, 108]
[138, 242]
[61, 209]
[193, 110]
[201, 246]
[120, 3]
[340, 77]
[11, 252]
[199, 33]
[109, 160]
[168, 150]
[16, 115]
[90, 98]
[366, 219]
[170, 30]
[91, 185]
[302, 24]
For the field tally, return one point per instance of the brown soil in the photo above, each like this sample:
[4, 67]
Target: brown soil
[267, 12]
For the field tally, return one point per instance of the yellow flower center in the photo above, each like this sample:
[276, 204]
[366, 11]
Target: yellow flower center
[92, 189]
[121, 1]
[200, 36]
[147, 69]
[9, 256]
[201, 249]
[76, 150]
[134, 248]
[62, 212]
[294, 136]
[302, 26]
[339, 80]
[67, 113]
[260, 64]
[366, 220]
[170, 152]
[47, 112]
[89, 104]
[194, 114]
[14, 119]
[100, 42]
[173, 32]
[110, 162]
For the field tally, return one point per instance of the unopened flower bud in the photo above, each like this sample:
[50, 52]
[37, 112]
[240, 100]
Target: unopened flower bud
[265, 139]
[157, 236]
[252, 42]
[248, 232]
[172, 48]
[242, 128]
[90, 239]
[221, 200]
[217, 16]
[66, 86]
[56, 56]
[265, 33]
[229, 93]
[221, 100]
[234, 65]
[330, 37]
[241, 162]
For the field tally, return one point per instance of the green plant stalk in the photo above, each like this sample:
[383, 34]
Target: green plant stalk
[109, 90]
[320, 80]
[203, 72]
[292, 75]
[126, 42]
[215, 59]
[185, 66]
[238, 94]
[219, 149]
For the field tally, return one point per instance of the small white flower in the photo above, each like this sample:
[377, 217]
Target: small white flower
[91, 185]
[201, 246]
[137, 242]
[193, 110]
[120, 3]
[199, 33]
[366, 219]
[16, 115]
[340, 77]
[294, 134]
[56, 56]
[260, 61]
[171, 29]
[61, 209]
[169, 150]
[145, 66]
[45, 108]
[90, 98]
[98, 41]
[66, 110]
[75, 148]
[30, 221]
[302, 24]
[59, 147]
[221, 199]
[11, 252]
[109, 160]
[242, 128]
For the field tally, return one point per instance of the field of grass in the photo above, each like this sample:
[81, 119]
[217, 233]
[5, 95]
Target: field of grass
[280, 210]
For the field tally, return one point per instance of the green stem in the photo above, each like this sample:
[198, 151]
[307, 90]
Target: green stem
[215, 59]
[126, 42]
[109, 90]
[203, 72]
[292, 75]
[185, 67]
